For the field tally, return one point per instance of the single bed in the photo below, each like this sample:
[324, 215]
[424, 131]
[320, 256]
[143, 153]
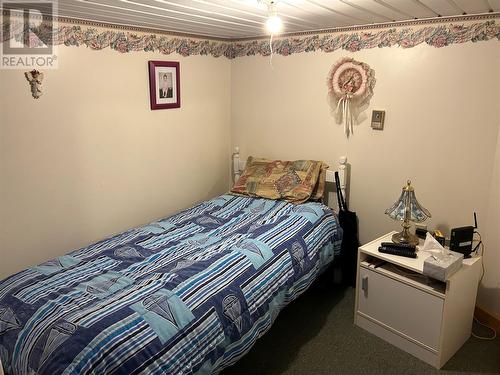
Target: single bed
[187, 294]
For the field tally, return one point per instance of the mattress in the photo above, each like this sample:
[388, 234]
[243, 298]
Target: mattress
[187, 294]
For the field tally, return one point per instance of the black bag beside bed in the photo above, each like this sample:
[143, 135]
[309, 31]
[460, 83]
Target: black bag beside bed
[350, 241]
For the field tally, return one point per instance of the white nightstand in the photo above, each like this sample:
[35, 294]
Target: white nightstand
[428, 319]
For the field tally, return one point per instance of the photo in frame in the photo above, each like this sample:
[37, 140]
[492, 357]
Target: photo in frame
[164, 84]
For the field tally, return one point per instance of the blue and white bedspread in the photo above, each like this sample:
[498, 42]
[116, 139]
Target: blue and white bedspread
[187, 294]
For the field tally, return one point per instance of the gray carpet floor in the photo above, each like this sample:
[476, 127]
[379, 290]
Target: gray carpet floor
[315, 335]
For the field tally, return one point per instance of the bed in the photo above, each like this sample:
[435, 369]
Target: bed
[187, 294]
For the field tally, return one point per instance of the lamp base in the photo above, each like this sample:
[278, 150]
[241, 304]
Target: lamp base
[405, 237]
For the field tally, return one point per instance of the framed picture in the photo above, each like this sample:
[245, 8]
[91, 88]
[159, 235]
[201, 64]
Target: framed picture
[164, 84]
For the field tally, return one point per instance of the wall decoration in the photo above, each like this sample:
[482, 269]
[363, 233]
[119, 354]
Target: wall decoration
[35, 79]
[350, 86]
[408, 34]
[164, 84]
[441, 35]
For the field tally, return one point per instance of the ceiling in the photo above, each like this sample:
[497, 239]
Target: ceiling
[245, 18]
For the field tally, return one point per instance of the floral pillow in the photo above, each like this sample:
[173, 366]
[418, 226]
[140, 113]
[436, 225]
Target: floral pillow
[294, 181]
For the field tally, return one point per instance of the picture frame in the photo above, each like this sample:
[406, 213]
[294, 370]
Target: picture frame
[164, 84]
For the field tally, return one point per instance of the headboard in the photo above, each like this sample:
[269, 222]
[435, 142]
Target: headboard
[342, 167]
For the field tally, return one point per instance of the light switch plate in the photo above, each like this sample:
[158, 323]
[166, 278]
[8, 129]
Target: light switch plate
[378, 118]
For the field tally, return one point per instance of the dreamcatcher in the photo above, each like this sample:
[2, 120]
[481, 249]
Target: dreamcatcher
[350, 86]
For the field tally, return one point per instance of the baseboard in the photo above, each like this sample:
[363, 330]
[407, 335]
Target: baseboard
[487, 318]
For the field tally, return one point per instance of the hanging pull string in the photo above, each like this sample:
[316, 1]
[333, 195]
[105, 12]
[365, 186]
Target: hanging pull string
[271, 48]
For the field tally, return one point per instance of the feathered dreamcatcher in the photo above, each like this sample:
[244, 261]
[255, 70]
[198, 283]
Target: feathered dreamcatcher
[350, 86]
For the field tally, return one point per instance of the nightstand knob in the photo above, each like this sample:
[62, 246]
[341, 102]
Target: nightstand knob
[364, 285]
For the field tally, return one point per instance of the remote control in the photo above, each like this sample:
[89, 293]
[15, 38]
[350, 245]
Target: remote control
[397, 251]
[399, 245]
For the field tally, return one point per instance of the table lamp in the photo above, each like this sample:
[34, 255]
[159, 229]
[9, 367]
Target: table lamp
[407, 209]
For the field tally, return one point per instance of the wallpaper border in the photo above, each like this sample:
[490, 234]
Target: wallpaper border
[353, 39]
[385, 25]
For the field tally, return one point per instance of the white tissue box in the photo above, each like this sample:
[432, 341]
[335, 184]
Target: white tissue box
[443, 269]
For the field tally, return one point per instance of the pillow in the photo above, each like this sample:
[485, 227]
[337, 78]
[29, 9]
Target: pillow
[319, 189]
[294, 181]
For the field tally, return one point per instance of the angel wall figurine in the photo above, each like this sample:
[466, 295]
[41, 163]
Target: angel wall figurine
[35, 79]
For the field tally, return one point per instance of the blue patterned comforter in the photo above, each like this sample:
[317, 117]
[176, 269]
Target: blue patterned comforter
[187, 294]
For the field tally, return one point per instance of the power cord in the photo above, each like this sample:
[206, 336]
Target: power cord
[480, 246]
[494, 333]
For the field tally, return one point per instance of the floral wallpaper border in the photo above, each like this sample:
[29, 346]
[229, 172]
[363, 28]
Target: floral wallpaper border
[436, 35]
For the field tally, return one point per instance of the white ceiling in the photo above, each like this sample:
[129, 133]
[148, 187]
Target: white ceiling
[245, 18]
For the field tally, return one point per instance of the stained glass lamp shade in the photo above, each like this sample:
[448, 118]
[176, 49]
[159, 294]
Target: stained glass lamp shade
[407, 209]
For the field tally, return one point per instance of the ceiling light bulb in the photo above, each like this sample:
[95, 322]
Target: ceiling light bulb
[274, 24]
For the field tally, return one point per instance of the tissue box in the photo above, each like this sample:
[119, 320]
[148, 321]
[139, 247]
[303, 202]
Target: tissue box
[443, 269]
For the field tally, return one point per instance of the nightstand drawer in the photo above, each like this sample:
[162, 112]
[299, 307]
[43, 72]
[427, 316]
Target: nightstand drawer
[400, 307]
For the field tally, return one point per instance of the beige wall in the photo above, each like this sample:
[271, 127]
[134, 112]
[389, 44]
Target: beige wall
[441, 129]
[489, 298]
[90, 159]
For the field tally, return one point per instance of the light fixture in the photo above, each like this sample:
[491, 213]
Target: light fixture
[274, 24]
[407, 209]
